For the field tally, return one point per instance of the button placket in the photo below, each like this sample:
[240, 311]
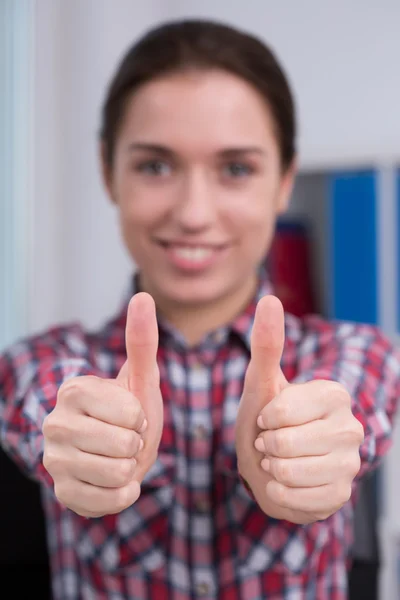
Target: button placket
[200, 432]
[203, 589]
[202, 505]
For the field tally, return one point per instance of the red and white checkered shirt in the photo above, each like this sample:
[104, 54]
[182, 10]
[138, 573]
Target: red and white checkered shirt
[195, 532]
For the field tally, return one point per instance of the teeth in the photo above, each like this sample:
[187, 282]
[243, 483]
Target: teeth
[194, 254]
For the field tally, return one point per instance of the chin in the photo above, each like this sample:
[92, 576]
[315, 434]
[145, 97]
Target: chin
[197, 293]
[192, 291]
[195, 297]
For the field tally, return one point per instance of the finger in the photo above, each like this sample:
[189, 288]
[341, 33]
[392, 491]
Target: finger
[102, 471]
[301, 403]
[321, 501]
[311, 439]
[267, 342]
[96, 437]
[92, 501]
[141, 338]
[105, 400]
[311, 471]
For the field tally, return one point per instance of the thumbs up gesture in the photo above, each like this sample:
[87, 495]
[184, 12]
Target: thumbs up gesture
[103, 435]
[297, 445]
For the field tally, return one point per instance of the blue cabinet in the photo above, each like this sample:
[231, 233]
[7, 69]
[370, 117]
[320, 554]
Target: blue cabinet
[353, 246]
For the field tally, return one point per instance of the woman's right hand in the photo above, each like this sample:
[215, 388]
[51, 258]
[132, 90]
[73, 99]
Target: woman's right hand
[103, 434]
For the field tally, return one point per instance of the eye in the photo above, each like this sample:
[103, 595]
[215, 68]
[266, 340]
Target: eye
[237, 170]
[157, 168]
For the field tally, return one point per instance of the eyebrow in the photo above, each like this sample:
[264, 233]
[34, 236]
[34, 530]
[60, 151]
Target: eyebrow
[142, 146]
[165, 151]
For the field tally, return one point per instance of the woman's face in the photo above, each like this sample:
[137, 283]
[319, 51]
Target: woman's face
[197, 181]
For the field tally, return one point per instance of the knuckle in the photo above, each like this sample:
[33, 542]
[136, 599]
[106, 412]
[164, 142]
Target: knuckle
[123, 474]
[344, 494]
[282, 410]
[335, 501]
[47, 425]
[61, 491]
[135, 411]
[341, 395]
[359, 431]
[53, 429]
[282, 442]
[51, 461]
[73, 389]
[351, 430]
[127, 443]
[264, 414]
[122, 498]
[282, 471]
[350, 463]
[356, 465]
[69, 390]
[123, 443]
[281, 495]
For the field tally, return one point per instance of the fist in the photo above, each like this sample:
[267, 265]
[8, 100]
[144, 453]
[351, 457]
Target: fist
[103, 434]
[297, 444]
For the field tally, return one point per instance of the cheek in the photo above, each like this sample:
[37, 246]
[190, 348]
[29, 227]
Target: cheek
[140, 203]
[254, 223]
[139, 209]
[259, 237]
[136, 221]
[135, 224]
[135, 218]
[253, 215]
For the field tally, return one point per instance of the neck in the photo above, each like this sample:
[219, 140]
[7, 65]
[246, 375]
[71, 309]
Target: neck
[194, 321]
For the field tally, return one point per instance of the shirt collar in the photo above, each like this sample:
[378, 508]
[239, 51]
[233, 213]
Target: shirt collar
[241, 326]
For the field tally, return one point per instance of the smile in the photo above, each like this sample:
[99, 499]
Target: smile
[196, 254]
[192, 257]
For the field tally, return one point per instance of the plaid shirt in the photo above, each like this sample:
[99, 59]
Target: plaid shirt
[195, 531]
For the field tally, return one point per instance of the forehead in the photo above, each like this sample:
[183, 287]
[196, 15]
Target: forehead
[198, 109]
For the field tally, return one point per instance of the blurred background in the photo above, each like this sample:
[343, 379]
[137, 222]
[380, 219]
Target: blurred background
[337, 252]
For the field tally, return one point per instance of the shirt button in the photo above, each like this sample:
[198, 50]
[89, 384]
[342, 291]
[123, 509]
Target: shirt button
[202, 505]
[203, 589]
[200, 432]
[220, 336]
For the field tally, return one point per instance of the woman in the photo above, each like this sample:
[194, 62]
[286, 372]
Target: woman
[201, 444]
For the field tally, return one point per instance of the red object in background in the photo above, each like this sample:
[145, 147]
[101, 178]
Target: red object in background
[289, 268]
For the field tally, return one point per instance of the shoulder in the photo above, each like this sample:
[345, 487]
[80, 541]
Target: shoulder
[357, 346]
[324, 331]
[45, 349]
[70, 338]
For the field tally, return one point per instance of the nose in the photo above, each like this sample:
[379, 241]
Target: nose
[195, 208]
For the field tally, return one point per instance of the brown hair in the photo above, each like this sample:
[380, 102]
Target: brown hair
[200, 44]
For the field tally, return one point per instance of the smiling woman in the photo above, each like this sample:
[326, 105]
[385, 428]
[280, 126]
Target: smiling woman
[212, 440]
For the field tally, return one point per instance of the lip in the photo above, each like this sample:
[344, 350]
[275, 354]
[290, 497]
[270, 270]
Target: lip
[188, 265]
[191, 244]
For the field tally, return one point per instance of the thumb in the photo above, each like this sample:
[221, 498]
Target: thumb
[267, 342]
[141, 338]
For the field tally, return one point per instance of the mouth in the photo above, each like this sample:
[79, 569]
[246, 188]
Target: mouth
[192, 257]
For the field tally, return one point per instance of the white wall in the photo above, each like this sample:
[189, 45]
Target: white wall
[48, 201]
[16, 169]
[80, 270]
[342, 58]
